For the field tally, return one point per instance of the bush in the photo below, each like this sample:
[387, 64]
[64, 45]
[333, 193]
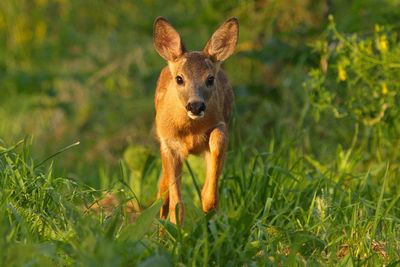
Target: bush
[358, 76]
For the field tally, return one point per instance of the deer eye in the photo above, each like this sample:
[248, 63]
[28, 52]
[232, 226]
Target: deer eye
[210, 81]
[179, 80]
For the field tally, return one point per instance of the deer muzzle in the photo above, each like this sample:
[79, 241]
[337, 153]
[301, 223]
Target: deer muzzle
[196, 109]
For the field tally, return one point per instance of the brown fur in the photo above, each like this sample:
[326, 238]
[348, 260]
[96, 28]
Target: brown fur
[180, 135]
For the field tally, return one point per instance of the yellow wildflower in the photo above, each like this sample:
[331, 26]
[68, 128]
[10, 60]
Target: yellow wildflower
[342, 75]
[385, 90]
[382, 43]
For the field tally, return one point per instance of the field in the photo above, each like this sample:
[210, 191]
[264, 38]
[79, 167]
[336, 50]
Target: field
[313, 166]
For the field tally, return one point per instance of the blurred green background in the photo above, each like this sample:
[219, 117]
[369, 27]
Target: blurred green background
[86, 70]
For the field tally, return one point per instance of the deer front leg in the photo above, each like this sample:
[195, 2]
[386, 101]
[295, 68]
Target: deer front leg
[170, 185]
[164, 194]
[215, 161]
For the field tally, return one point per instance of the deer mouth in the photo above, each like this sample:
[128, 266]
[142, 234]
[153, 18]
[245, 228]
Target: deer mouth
[194, 116]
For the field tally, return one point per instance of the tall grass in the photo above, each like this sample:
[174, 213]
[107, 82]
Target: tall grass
[277, 207]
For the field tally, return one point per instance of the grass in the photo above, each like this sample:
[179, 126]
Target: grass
[277, 207]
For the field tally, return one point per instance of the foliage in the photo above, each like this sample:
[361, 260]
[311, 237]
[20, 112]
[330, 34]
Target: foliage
[358, 76]
[276, 209]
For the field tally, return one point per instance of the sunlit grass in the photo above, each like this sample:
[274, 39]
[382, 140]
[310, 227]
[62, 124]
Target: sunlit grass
[276, 209]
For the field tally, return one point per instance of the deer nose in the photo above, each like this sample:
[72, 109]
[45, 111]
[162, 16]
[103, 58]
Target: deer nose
[196, 107]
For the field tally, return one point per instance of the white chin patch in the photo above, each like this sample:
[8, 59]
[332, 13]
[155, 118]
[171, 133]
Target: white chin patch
[195, 117]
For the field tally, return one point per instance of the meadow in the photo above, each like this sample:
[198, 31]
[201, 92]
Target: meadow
[313, 166]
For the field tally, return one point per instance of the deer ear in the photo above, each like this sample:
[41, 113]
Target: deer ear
[167, 40]
[223, 41]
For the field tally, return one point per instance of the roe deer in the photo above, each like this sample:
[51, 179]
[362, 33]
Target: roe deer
[193, 102]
